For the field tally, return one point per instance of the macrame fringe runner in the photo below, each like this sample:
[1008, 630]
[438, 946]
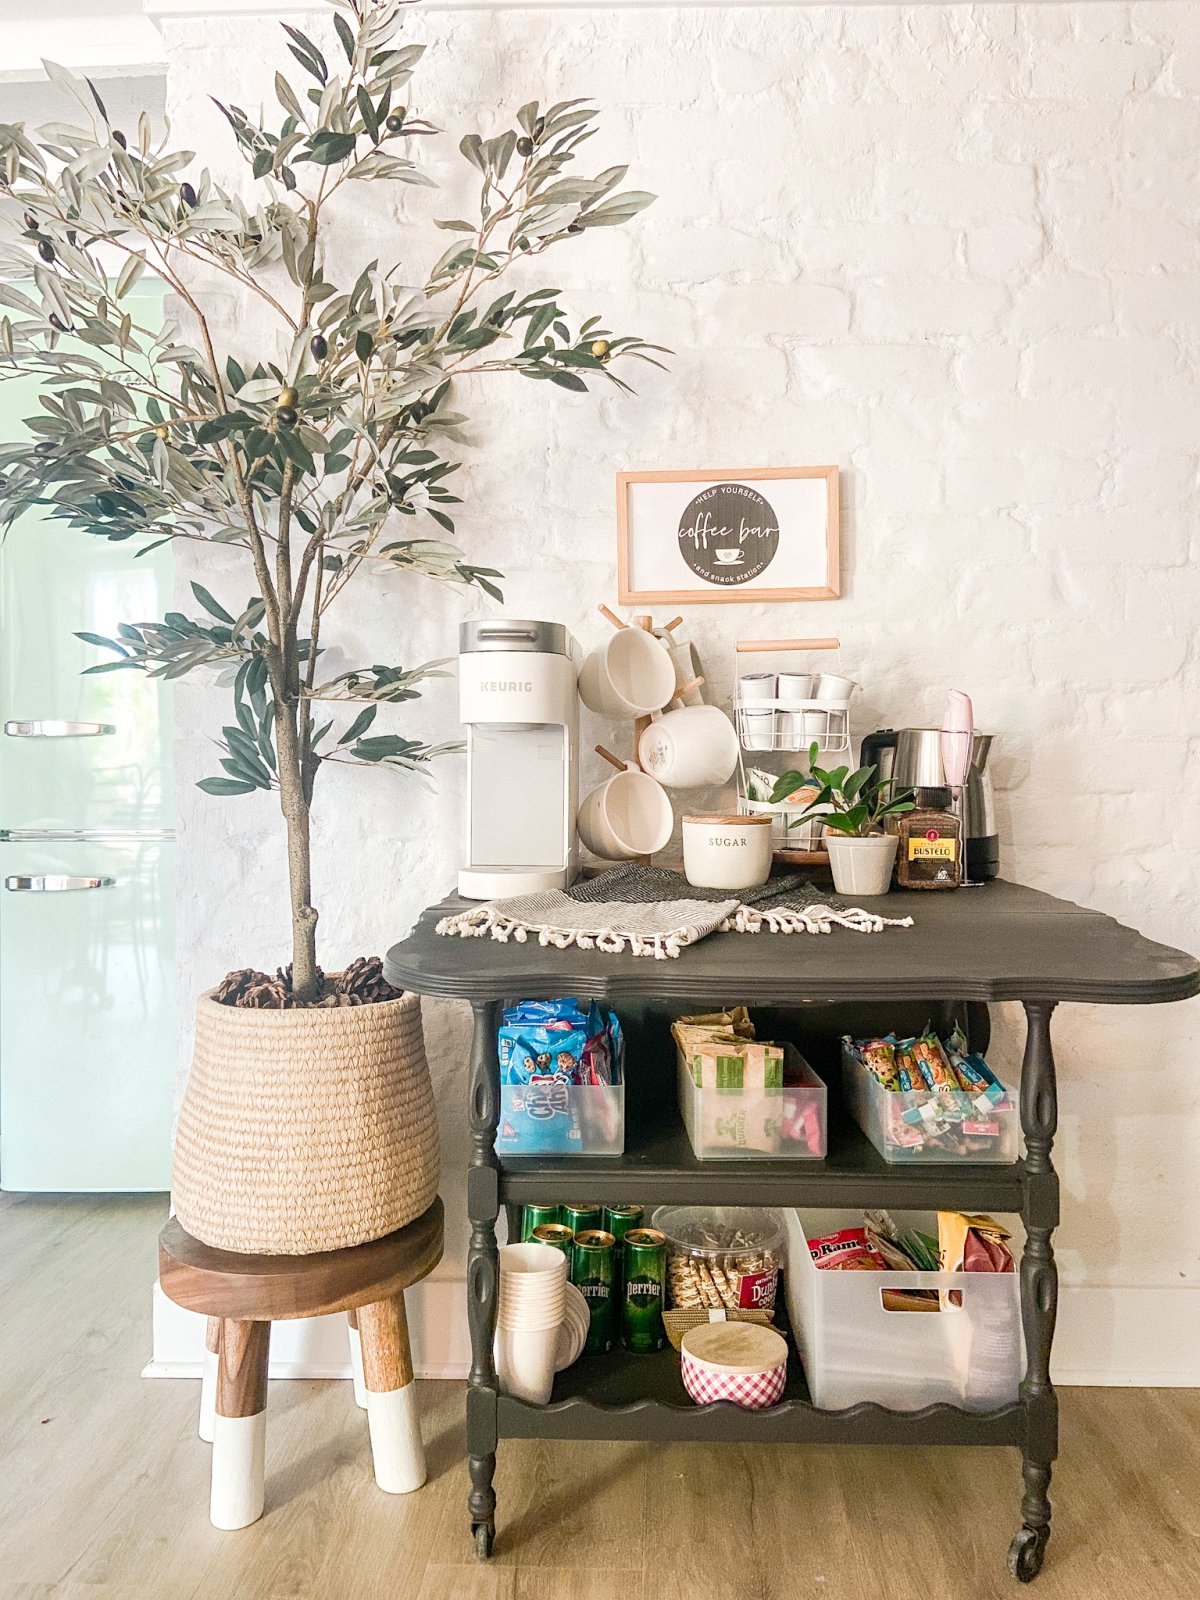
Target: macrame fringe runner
[611, 941]
[809, 919]
[490, 920]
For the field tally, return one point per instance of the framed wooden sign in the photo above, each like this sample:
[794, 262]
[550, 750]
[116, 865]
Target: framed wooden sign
[695, 538]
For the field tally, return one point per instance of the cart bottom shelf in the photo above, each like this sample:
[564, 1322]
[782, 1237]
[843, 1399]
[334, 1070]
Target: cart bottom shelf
[627, 1396]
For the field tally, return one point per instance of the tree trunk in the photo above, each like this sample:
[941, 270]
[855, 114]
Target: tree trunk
[293, 803]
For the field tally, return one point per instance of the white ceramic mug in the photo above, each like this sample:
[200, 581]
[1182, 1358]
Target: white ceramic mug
[626, 817]
[690, 747]
[630, 675]
[725, 851]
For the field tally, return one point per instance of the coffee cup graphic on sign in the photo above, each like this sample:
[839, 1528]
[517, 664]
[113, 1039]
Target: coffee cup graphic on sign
[728, 533]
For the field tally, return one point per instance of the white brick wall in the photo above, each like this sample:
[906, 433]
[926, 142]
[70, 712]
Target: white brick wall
[956, 251]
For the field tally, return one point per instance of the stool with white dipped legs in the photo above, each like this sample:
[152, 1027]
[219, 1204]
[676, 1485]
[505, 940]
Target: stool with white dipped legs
[243, 1294]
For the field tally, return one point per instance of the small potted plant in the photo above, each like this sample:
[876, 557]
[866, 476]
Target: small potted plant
[852, 806]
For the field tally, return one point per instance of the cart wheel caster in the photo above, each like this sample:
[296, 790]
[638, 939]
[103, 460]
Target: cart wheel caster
[1026, 1552]
[483, 1533]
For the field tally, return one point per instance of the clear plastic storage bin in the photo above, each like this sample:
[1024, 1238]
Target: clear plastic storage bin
[741, 1124]
[930, 1125]
[553, 1118]
[969, 1354]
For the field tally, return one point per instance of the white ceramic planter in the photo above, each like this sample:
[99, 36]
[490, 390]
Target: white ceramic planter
[862, 866]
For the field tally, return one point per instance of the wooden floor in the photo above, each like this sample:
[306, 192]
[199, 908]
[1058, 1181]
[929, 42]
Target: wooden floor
[103, 1482]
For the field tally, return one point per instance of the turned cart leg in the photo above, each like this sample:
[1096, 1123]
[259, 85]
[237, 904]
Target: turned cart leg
[1039, 1292]
[483, 1207]
[240, 1425]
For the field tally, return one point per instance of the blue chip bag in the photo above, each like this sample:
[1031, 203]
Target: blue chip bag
[546, 1049]
[542, 1039]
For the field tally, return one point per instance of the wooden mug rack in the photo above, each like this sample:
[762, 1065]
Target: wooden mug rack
[646, 622]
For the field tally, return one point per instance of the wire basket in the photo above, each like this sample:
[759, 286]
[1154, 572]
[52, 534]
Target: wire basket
[780, 710]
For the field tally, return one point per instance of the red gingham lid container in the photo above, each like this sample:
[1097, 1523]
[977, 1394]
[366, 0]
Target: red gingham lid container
[742, 1362]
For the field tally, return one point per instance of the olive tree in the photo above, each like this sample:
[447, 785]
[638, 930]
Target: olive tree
[333, 461]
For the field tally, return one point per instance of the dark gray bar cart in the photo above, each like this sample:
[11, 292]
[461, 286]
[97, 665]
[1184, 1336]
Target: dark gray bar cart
[998, 943]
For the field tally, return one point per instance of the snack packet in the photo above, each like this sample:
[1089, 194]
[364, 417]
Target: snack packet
[934, 1065]
[973, 1243]
[846, 1250]
[879, 1058]
[542, 1040]
[908, 1067]
[978, 1079]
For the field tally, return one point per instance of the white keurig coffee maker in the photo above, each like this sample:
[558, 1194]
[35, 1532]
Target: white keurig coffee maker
[518, 700]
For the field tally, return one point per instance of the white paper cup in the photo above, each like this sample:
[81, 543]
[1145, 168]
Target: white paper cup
[691, 747]
[548, 1294]
[531, 1260]
[630, 675]
[526, 1362]
[727, 851]
[551, 1291]
[533, 1322]
[831, 687]
[571, 1341]
[628, 816]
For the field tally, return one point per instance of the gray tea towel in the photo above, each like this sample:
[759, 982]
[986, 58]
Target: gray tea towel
[649, 911]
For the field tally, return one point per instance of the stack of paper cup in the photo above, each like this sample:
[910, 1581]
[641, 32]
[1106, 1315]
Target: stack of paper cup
[532, 1302]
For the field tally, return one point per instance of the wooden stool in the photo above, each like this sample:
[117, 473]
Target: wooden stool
[243, 1294]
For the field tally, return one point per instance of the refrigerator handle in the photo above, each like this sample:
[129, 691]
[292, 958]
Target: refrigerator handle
[53, 729]
[19, 883]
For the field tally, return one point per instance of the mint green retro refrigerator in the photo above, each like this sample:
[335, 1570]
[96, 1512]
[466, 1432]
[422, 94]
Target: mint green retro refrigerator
[87, 1003]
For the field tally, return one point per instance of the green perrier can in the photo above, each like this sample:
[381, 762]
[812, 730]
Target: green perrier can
[593, 1270]
[644, 1297]
[556, 1236]
[578, 1218]
[535, 1216]
[619, 1219]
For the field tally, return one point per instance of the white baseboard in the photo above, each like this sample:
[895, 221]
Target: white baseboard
[317, 1347]
[1124, 1337]
[1106, 1337]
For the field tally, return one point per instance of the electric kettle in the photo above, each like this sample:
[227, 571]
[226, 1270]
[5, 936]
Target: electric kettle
[912, 758]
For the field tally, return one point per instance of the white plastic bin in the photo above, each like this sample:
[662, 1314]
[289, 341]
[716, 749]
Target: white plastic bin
[552, 1118]
[854, 1349]
[744, 1124]
[930, 1126]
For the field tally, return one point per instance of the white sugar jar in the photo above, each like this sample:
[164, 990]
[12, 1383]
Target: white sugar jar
[726, 851]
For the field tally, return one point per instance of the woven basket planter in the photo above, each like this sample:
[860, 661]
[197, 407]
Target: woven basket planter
[305, 1130]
